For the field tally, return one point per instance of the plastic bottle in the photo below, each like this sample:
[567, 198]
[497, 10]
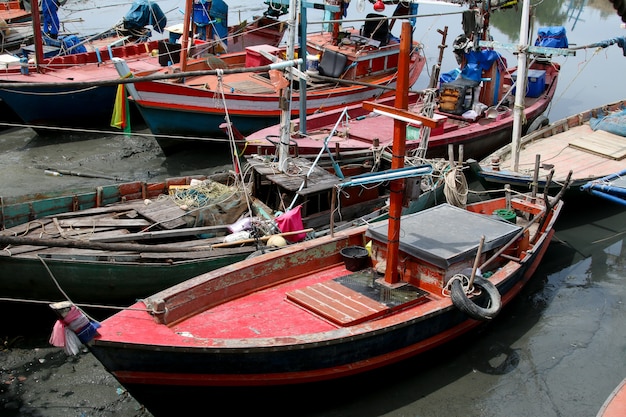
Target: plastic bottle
[52, 173]
[24, 65]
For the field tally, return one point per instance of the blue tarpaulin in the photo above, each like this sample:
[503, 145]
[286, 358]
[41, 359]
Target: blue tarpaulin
[613, 122]
[143, 13]
[552, 37]
[477, 61]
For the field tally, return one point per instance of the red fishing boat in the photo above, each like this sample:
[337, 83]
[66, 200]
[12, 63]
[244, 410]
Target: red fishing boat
[330, 307]
[472, 106]
[344, 68]
[68, 91]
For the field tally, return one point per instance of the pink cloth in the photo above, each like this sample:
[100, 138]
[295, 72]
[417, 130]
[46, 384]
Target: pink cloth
[291, 221]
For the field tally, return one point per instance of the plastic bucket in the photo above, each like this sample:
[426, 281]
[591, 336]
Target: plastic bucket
[313, 64]
[354, 257]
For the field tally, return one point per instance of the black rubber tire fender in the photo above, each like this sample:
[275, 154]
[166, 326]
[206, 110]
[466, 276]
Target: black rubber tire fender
[467, 306]
[537, 124]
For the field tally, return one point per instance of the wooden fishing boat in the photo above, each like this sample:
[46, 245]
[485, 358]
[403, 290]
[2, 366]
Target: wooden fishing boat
[615, 404]
[362, 65]
[329, 308]
[314, 316]
[122, 241]
[586, 143]
[67, 91]
[472, 107]
[367, 130]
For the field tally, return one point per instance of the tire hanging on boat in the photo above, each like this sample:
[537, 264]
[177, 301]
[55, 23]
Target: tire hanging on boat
[538, 123]
[463, 303]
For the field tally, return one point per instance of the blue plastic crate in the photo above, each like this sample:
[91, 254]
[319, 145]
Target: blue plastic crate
[536, 82]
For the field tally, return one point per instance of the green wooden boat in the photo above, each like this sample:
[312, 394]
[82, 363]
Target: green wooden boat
[117, 243]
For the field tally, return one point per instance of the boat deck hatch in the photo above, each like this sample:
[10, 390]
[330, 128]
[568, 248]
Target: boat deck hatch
[445, 235]
[355, 298]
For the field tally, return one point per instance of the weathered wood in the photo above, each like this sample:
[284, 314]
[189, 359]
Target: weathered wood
[602, 143]
[165, 212]
[116, 208]
[104, 222]
[264, 238]
[134, 247]
[160, 234]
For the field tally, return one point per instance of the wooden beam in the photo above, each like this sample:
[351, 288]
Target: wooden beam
[402, 114]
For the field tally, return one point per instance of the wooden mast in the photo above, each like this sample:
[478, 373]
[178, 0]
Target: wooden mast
[34, 10]
[520, 91]
[185, 39]
[397, 161]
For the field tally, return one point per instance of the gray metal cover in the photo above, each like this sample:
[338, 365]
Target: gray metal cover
[444, 235]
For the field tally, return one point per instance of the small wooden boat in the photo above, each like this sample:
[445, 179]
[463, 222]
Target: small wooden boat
[67, 91]
[615, 404]
[329, 308]
[123, 241]
[585, 143]
[12, 11]
[367, 130]
[347, 71]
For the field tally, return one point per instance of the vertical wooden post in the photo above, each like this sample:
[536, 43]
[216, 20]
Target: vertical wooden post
[397, 159]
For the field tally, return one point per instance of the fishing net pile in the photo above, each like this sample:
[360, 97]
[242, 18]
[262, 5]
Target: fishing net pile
[210, 203]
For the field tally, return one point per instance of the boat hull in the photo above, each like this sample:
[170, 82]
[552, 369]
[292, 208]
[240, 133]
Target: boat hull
[103, 279]
[366, 131]
[150, 366]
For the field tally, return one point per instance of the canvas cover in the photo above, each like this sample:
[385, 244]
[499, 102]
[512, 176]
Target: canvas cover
[444, 235]
[552, 37]
[143, 13]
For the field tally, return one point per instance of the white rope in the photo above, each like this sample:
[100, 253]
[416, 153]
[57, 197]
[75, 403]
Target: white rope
[455, 188]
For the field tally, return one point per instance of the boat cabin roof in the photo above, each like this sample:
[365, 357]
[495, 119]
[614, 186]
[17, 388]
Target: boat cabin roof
[445, 235]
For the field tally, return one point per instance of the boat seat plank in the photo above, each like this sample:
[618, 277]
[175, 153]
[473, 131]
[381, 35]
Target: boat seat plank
[603, 143]
[115, 208]
[249, 87]
[29, 227]
[104, 222]
[161, 234]
[165, 212]
[337, 303]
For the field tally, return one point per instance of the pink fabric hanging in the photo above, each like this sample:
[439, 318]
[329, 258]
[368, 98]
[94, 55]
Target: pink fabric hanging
[291, 221]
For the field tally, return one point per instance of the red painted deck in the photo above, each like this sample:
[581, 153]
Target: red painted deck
[615, 405]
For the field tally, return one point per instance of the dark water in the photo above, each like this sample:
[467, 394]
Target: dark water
[556, 350]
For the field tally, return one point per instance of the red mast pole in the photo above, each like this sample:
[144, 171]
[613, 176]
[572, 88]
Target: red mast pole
[36, 18]
[185, 40]
[397, 159]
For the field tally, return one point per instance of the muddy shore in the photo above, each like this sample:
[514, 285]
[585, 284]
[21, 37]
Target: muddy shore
[37, 379]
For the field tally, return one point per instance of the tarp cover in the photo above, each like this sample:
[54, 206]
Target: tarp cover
[552, 37]
[143, 13]
[613, 122]
[477, 62]
[444, 235]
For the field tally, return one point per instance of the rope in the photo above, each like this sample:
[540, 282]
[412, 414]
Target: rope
[455, 188]
[102, 306]
[231, 139]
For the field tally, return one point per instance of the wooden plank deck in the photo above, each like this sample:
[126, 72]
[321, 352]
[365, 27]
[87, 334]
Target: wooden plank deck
[602, 143]
[337, 303]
